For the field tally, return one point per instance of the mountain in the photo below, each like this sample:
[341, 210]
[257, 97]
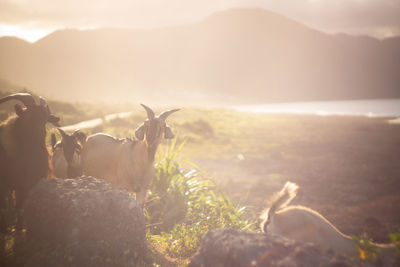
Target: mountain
[236, 56]
[7, 86]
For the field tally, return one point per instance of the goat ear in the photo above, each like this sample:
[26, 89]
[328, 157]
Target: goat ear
[18, 110]
[139, 133]
[78, 147]
[63, 134]
[54, 120]
[81, 137]
[168, 134]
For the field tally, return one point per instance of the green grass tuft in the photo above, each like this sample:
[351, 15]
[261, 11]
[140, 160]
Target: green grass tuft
[184, 205]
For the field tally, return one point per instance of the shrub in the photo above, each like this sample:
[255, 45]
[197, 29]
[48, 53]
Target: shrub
[183, 206]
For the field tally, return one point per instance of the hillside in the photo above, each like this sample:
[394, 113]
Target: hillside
[7, 86]
[236, 56]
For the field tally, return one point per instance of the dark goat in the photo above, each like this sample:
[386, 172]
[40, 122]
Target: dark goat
[24, 158]
[66, 154]
[124, 162]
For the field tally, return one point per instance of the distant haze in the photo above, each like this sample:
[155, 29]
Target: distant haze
[237, 56]
[34, 19]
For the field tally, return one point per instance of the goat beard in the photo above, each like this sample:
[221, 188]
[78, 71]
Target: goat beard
[152, 152]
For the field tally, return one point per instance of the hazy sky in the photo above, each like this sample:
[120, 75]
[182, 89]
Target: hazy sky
[32, 19]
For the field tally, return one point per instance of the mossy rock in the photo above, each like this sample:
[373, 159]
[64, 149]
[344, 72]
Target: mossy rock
[233, 248]
[83, 222]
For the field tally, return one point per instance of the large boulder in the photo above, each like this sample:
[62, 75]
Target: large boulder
[233, 248]
[83, 222]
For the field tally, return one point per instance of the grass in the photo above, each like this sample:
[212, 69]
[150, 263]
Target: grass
[395, 238]
[347, 169]
[183, 206]
[368, 252]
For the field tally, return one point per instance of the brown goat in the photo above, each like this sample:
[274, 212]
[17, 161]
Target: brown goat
[24, 157]
[66, 154]
[124, 162]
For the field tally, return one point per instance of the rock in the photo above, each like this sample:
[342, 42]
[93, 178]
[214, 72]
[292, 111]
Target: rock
[83, 222]
[229, 247]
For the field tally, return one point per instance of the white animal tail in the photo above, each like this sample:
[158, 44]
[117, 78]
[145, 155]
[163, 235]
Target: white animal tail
[280, 200]
[306, 225]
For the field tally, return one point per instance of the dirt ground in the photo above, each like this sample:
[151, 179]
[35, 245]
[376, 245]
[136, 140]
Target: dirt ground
[348, 168]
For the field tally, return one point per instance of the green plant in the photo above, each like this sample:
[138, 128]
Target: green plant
[183, 206]
[166, 204]
[366, 250]
[395, 238]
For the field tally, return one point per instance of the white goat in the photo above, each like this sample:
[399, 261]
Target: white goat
[125, 162]
[307, 225]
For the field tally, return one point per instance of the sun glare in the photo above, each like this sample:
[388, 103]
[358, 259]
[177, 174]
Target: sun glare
[27, 33]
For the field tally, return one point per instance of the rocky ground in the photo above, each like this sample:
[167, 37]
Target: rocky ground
[82, 222]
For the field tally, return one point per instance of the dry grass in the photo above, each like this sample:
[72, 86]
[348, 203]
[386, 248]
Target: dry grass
[343, 164]
[348, 168]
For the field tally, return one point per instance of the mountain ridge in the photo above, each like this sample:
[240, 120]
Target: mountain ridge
[238, 56]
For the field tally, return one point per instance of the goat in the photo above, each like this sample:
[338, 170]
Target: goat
[307, 225]
[125, 162]
[66, 154]
[24, 157]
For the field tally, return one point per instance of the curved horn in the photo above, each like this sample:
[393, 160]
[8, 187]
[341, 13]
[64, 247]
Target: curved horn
[150, 113]
[25, 98]
[165, 114]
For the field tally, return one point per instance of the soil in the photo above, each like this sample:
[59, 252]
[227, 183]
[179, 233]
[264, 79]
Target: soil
[348, 168]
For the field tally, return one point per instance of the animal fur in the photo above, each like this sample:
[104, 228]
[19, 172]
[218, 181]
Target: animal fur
[125, 162]
[307, 225]
[66, 158]
[24, 157]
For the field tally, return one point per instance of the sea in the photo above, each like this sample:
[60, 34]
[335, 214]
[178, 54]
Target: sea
[371, 108]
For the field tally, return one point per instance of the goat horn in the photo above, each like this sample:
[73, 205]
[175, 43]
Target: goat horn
[25, 98]
[165, 114]
[150, 113]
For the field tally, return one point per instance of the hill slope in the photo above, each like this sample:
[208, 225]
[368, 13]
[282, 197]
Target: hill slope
[235, 56]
